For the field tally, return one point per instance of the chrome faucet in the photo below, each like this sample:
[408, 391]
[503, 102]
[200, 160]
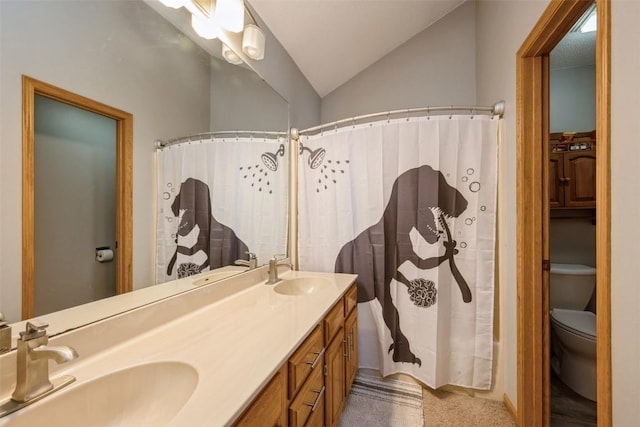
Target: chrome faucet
[33, 356]
[274, 263]
[5, 335]
[252, 263]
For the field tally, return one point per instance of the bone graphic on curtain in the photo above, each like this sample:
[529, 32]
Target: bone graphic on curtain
[219, 199]
[409, 206]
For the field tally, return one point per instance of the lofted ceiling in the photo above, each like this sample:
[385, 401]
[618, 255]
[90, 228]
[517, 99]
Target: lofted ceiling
[333, 40]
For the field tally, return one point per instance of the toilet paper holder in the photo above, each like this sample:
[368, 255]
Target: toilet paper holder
[104, 254]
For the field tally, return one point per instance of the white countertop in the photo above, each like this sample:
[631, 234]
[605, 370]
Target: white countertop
[235, 344]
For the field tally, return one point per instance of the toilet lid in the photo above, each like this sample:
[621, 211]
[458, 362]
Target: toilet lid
[572, 269]
[583, 322]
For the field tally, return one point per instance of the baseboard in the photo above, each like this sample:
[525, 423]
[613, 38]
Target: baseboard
[510, 407]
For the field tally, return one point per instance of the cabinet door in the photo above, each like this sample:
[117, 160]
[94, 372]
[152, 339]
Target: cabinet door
[556, 180]
[335, 380]
[351, 343]
[580, 173]
[270, 407]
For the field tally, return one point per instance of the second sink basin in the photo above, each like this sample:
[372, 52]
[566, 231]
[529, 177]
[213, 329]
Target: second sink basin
[301, 285]
[149, 394]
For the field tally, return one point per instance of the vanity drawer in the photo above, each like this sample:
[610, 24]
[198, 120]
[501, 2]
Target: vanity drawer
[351, 299]
[333, 321]
[309, 400]
[306, 359]
[316, 419]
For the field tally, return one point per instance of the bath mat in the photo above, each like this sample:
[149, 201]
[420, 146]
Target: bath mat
[376, 402]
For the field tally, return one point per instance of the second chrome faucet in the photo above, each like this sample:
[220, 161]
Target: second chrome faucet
[274, 263]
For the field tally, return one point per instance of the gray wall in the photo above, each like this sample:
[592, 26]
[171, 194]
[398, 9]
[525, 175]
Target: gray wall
[625, 200]
[235, 89]
[501, 28]
[572, 99]
[573, 241]
[436, 67]
[119, 53]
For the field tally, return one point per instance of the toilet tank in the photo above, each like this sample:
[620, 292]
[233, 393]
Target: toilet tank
[571, 285]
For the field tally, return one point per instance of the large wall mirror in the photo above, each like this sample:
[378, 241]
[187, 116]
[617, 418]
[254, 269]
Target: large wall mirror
[143, 58]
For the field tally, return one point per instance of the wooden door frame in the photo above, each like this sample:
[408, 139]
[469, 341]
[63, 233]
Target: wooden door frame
[532, 130]
[124, 144]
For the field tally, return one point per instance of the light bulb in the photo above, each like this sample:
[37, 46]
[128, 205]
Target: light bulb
[230, 55]
[253, 42]
[207, 28]
[175, 4]
[230, 15]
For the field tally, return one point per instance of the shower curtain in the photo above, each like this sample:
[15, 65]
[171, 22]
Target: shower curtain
[409, 205]
[217, 200]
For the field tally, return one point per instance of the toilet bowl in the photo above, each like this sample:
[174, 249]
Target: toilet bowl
[574, 359]
[573, 337]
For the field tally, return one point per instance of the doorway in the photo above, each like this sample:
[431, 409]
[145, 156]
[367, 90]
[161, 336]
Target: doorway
[47, 144]
[533, 207]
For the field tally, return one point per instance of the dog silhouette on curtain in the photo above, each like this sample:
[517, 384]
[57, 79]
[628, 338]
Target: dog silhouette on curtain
[422, 199]
[218, 242]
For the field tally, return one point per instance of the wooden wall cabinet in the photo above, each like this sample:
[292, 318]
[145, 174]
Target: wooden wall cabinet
[572, 171]
[572, 179]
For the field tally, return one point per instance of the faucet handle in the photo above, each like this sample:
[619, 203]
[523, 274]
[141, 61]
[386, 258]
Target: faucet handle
[251, 255]
[275, 257]
[35, 329]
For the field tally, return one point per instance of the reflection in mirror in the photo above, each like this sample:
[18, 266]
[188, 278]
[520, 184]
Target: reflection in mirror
[124, 54]
[207, 186]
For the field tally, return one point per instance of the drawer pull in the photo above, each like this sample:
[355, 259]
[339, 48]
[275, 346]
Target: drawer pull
[315, 404]
[318, 357]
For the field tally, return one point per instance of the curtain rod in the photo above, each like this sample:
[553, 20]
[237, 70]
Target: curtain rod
[496, 109]
[158, 143]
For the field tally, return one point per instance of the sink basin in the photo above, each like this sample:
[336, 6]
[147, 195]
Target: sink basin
[149, 394]
[302, 285]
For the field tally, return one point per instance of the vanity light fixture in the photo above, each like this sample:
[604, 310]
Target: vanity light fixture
[253, 42]
[209, 17]
[175, 4]
[230, 55]
[230, 14]
[207, 28]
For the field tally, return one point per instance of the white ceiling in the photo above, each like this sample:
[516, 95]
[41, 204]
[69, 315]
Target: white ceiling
[318, 34]
[576, 49]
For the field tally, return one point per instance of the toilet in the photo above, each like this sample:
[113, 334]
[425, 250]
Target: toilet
[573, 337]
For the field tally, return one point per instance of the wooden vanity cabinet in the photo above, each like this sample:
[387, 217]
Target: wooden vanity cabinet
[311, 387]
[270, 407]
